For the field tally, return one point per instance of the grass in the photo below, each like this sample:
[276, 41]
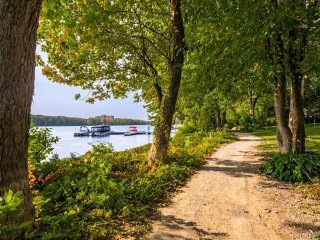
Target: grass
[269, 144]
[269, 147]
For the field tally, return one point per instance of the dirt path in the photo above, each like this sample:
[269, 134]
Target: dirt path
[228, 199]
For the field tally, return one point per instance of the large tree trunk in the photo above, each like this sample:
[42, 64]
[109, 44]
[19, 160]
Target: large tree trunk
[158, 151]
[276, 54]
[18, 27]
[284, 135]
[297, 118]
[297, 45]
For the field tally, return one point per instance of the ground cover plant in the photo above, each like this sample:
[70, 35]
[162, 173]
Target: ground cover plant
[294, 167]
[106, 194]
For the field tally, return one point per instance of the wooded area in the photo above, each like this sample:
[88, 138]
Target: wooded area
[211, 65]
[238, 54]
[40, 120]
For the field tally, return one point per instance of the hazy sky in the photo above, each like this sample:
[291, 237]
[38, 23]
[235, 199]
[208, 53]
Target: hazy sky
[58, 99]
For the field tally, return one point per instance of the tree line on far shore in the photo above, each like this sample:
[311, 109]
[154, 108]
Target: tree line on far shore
[41, 120]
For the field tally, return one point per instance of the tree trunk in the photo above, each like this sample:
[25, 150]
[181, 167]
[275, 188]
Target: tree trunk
[297, 118]
[284, 135]
[158, 89]
[158, 151]
[18, 27]
[297, 45]
[224, 117]
[218, 118]
[253, 103]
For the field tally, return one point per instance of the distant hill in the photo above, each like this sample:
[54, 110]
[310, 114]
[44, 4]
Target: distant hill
[41, 120]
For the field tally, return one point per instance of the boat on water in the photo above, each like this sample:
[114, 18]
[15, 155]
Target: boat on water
[96, 131]
[84, 132]
[132, 130]
[100, 131]
[105, 130]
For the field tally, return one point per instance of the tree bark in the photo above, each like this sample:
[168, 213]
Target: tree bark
[284, 135]
[224, 117]
[158, 89]
[297, 45]
[253, 103]
[18, 27]
[158, 151]
[297, 118]
[218, 118]
[277, 55]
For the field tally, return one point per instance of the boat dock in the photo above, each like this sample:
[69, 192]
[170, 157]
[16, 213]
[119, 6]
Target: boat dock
[104, 130]
[137, 133]
[114, 133]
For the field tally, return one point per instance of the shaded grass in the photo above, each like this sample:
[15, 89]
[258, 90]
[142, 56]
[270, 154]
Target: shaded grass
[269, 144]
[310, 190]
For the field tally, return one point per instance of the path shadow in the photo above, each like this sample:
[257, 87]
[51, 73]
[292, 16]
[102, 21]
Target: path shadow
[248, 154]
[233, 168]
[272, 183]
[245, 169]
[252, 153]
[249, 140]
[173, 223]
[303, 226]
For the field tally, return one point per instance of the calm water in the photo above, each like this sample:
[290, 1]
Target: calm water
[80, 145]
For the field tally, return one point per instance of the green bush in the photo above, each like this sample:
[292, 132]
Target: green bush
[188, 127]
[80, 200]
[10, 209]
[39, 152]
[105, 193]
[293, 167]
[40, 145]
[246, 123]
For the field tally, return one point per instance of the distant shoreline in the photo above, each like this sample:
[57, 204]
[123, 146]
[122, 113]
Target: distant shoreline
[91, 125]
[55, 121]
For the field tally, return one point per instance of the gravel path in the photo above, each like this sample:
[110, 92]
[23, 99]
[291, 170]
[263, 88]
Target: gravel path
[228, 199]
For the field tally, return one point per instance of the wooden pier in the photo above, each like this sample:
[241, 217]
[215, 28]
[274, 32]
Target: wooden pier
[137, 133]
[114, 133]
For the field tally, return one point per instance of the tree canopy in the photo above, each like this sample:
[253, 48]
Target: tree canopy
[210, 65]
[242, 55]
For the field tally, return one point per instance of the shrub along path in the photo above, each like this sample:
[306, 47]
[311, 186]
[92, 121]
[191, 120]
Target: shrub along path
[228, 199]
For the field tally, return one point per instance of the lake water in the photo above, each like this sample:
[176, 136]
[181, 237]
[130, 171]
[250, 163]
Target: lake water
[80, 145]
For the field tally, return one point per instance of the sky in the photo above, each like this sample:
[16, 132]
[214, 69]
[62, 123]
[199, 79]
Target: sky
[54, 99]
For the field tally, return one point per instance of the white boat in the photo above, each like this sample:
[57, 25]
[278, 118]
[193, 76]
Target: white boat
[84, 132]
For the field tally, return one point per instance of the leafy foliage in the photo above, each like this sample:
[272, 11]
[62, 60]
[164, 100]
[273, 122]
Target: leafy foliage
[40, 145]
[108, 47]
[293, 167]
[10, 207]
[40, 150]
[104, 193]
